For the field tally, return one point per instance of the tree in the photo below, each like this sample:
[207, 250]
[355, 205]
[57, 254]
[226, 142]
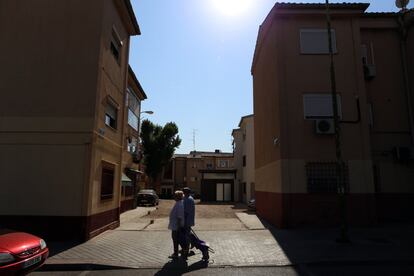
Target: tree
[158, 147]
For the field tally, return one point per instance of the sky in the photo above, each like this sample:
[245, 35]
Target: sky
[193, 61]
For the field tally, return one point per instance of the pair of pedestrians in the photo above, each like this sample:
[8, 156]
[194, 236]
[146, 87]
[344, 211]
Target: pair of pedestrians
[182, 218]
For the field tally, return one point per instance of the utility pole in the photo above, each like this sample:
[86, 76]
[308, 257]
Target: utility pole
[343, 237]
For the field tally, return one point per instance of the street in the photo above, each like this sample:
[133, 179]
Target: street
[243, 245]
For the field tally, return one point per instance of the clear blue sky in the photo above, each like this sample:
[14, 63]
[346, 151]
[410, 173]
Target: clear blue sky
[193, 60]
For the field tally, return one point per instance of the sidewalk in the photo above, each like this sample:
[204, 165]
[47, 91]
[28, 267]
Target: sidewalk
[387, 243]
[145, 242]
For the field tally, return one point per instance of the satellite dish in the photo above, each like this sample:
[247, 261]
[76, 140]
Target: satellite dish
[402, 4]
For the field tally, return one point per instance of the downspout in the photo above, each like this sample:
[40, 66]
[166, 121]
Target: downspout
[407, 87]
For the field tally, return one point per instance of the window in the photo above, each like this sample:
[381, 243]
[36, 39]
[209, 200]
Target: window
[223, 163]
[107, 181]
[194, 165]
[315, 41]
[116, 45]
[244, 160]
[317, 106]
[322, 177]
[111, 114]
[134, 106]
[209, 166]
[193, 179]
[132, 145]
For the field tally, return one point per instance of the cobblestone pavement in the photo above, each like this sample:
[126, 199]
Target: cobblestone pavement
[150, 249]
[143, 241]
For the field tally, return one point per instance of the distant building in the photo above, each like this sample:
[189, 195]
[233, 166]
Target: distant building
[209, 174]
[63, 132]
[243, 144]
[294, 142]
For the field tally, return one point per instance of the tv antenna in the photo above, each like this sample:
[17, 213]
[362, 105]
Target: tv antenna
[194, 139]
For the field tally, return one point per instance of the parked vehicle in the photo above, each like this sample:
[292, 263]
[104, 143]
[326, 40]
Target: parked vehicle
[147, 197]
[251, 204]
[20, 253]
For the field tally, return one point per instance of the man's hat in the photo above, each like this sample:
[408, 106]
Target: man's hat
[186, 190]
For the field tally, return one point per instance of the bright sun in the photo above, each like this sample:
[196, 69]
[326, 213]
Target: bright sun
[232, 7]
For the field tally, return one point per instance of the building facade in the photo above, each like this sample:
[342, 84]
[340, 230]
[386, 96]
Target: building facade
[243, 144]
[210, 175]
[131, 170]
[294, 143]
[62, 117]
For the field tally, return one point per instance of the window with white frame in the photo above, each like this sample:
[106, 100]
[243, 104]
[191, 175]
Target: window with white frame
[318, 106]
[133, 109]
[315, 41]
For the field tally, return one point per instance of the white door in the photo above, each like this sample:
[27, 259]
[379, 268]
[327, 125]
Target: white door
[227, 192]
[219, 192]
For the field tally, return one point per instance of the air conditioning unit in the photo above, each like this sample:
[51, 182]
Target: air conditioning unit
[324, 126]
[370, 71]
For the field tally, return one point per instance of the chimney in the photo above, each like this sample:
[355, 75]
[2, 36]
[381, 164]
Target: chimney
[217, 151]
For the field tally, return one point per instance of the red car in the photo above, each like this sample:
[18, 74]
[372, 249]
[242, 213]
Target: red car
[21, 253]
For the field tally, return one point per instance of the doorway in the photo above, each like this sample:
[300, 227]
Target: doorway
[223, 191]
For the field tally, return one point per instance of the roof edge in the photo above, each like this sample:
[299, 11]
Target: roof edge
[135, 79]
[245, 117]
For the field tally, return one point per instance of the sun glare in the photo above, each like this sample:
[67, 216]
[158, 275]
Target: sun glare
[232, 7]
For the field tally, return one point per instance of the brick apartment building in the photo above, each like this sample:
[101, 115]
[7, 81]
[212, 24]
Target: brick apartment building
[294, 145]
[64, 124]
[210, 175]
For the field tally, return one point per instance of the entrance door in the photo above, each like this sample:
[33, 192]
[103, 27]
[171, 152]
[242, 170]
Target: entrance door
[227, 192]
[219, 192]
[223, 191]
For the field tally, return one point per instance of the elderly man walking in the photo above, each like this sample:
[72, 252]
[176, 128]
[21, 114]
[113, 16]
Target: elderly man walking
[189, 218]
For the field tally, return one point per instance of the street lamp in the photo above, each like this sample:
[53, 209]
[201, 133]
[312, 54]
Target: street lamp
[147, 112]
[343, 237]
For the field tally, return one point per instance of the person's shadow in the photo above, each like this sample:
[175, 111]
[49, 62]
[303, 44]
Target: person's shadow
[179, 267]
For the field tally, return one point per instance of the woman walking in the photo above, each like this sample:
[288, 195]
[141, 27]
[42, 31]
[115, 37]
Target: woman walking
[176, 222]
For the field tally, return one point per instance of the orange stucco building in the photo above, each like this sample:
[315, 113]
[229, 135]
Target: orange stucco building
[64, 115]
[294, 143]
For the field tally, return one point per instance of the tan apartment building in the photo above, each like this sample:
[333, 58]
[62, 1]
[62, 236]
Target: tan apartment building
[294, 142]
[64, 83]
[210, 175]
[243, 148]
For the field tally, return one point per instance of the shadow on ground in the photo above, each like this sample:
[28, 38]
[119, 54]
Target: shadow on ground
[180, 267]
[56, 247]
[78, 267]
[387, 242]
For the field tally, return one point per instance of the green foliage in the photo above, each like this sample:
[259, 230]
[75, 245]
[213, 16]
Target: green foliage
[158, 146]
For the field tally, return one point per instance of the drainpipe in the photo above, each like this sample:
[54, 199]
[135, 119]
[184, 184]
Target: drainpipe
[343, 235]
[407, 86]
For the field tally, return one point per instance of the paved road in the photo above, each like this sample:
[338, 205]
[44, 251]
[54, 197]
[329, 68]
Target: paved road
[337, 270]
